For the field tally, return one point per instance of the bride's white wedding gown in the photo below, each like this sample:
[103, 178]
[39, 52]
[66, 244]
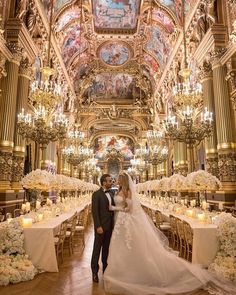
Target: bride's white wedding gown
[140, 264]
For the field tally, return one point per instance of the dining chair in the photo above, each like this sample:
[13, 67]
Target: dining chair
[188, 233]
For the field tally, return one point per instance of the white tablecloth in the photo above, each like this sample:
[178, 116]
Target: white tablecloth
[39, 241]
[205, 241]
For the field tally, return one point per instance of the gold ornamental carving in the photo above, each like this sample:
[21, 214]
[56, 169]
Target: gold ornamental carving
[3, 72]
[205, 71]
[25, 68]
[215, 55]
[5, 166]
[16, 51]
[227, 167]
[212, 165]
[17, 168]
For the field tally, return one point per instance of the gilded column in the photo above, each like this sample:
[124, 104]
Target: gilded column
[206, 76]
[224, 124]
[183, 163]
[19, 142]
[176, 157]
[8, 110]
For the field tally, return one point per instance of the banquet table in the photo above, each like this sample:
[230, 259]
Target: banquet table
[39, 241]
[205, 241]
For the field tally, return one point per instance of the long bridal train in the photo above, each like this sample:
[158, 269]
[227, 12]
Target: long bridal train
[140, 263]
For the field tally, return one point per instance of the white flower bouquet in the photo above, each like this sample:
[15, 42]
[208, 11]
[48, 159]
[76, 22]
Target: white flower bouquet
[164, 184]
[177, 182]
[14, 264]
[202, 180]
[37, 179]
[225, 261]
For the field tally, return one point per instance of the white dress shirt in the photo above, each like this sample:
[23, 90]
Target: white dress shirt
[109, 197]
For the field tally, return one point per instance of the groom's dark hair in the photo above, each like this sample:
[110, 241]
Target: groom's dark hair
[103, 178]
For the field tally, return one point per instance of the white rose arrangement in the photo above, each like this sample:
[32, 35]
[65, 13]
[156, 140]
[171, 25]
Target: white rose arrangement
[225, 261]
[15, 266]
[202, 180]
[44, 180]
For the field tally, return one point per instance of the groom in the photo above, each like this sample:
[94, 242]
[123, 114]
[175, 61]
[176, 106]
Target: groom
[103, 223]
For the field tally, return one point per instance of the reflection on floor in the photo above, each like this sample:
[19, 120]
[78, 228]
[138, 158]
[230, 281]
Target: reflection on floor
[74, 278]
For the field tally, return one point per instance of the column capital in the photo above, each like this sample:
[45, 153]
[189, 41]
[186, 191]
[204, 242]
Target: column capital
[205, 71]
[215, 56]
[25, 68]
[17, 52]
[3, 72]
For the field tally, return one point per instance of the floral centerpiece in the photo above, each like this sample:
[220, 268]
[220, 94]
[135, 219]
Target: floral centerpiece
[14, 264]
[38, 180]
[177, 182]
[225, 261]
[201, 180]
[164, 184]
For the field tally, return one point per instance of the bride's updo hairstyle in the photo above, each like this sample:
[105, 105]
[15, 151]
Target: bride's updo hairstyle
[124, 183]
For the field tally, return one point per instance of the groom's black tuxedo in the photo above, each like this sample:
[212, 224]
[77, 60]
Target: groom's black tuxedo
[104, 218]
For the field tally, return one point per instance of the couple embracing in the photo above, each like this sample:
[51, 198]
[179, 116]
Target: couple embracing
[135, 254]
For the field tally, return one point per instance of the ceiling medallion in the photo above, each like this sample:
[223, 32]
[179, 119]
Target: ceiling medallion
[114, 53]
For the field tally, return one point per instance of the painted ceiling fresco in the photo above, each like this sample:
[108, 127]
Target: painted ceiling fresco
[122, 144]
[72, 43]
[152, 64]
[115, 14]
[113, 31]
[113, 86]
[114, 54]
[66, 18]
[162, 17]
[176, 6]
[159, 45]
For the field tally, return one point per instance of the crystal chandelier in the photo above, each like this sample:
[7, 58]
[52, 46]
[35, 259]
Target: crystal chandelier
[189, 124]
[154, 136]
[47, 122]
[158, 154]
[75, 154]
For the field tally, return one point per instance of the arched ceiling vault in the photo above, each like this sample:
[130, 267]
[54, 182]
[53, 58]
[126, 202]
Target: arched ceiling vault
[115, 52]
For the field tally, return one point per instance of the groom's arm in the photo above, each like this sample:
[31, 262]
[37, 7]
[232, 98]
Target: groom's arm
[95, 210]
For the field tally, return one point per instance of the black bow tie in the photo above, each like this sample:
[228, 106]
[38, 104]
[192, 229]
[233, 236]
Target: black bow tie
[107, 191]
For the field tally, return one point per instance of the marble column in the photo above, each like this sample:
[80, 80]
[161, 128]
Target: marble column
[224, 124]
[8, 110]
[19, 142]
[206, 76]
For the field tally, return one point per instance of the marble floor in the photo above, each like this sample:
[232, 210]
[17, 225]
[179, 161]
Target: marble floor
[74, 278]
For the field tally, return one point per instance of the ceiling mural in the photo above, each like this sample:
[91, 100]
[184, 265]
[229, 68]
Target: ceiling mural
[159, 45]
[115, 14]
[117, 57]
[72, 44]
[66, 18]
[176, 6]
[114, 54]
[105, 144]
[152, 63]
[164, 19]
[113, 86]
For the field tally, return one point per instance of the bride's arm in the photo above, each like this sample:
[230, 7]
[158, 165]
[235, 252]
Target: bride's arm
[115, 208]
[128, 208]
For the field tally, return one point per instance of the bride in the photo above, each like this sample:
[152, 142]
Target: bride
[140, 262]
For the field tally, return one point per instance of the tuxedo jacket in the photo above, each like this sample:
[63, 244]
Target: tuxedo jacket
[102, 216]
